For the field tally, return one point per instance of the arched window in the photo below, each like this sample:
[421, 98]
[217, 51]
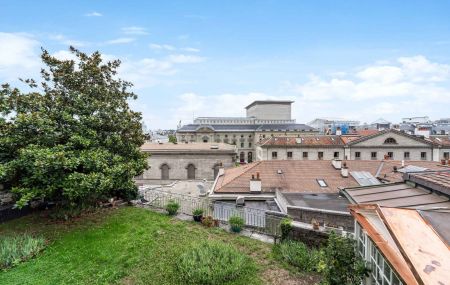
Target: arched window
[190, 171]
[164, 171]
[249, 157]
[390, 141]
[242, 157]
[216, 168]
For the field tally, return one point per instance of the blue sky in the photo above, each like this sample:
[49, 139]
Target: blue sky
[353, 59]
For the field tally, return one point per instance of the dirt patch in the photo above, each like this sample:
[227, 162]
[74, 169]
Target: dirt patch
[280, 276]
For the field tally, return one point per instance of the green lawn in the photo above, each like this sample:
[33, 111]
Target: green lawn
[129, 246]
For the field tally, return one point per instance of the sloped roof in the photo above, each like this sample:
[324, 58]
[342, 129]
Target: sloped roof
[188, 147]
[440, 140]
[319, 140]
[365, 138]
[247, 127]
[411, 244]
[301, 175]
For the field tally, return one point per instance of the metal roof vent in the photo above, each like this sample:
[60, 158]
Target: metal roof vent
[279, 171]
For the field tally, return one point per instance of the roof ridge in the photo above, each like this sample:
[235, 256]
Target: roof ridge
[251, 167]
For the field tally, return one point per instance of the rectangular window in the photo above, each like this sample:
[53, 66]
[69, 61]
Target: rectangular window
[336, 154]
[320, 155]
[373, 155]
[406, 155]
[274, 155]
[357, 155]
[446, 155]
[390, 155]
[423, 155]
[242, 144]
[305, 155]
[249, 144]
[289, 154]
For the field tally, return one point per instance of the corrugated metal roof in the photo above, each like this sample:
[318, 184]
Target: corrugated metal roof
[364, 178]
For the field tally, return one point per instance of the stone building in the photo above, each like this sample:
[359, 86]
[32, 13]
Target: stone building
[186, 161]
[387, 144]
[264, 119]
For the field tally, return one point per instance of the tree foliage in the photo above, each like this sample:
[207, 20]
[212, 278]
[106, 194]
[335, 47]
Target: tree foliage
[340, 264]
[73, 138]
[172, 139]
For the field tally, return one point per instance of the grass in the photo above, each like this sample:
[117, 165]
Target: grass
[298, 255]
[129, 246]
[213, 263]
[17, 248]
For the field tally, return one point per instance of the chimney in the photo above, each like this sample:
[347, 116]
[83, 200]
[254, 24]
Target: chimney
[337, 163]
[344, 171]
[255, 183]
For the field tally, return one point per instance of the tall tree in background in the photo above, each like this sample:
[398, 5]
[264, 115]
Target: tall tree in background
[73, 139]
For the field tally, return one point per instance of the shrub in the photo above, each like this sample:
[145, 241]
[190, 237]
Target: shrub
[340, 264]
[172, 207]
[213, 263]
[197, 212]
[286, 228]
[15, 249]
[236, 223]
[208, 221]
[297, 254]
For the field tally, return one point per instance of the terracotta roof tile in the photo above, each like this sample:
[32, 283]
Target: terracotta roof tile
[321, 140]
[301, 175]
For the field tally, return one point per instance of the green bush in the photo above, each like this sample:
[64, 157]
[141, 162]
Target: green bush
[297, 254]
[286, 228]
[212, 263]
[172, 207]
[197, 212]
[340, 264]
[236, 223]
[15, 249]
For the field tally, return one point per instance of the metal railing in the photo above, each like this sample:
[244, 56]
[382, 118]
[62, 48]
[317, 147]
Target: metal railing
[259, 220]
[160, 199]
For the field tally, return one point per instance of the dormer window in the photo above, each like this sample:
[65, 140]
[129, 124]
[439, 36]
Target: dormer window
[390, 141]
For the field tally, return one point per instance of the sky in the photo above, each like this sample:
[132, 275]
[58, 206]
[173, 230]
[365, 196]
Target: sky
[360, 60]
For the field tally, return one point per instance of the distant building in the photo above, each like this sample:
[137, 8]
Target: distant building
[334, 126]
[264, 119]
[375, 145]
[186, 161]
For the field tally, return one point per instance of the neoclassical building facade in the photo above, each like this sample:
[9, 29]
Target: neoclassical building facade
[264, 119]
[388, 144]
[186, 161]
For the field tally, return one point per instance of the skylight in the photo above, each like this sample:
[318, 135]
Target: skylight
[322, 183]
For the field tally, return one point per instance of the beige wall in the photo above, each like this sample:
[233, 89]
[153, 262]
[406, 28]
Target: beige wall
[270, 111]
[204, 164]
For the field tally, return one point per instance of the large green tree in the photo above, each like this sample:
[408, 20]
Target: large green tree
[72, 138]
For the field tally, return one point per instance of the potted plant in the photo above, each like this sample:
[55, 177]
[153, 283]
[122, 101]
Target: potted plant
[236, 223]
[198, 214]
[172, 208]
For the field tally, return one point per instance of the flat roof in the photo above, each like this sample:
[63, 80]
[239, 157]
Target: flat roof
[188, 147]
[327, 201]
[263, 102]
[401, 195]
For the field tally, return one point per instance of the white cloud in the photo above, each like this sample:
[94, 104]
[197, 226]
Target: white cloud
[19, 56]
[66, 41]
[162, 47]
[134, 30]
[190, 49]
[407, 86]
[181, 58]
[93, 14]
[120, 41]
